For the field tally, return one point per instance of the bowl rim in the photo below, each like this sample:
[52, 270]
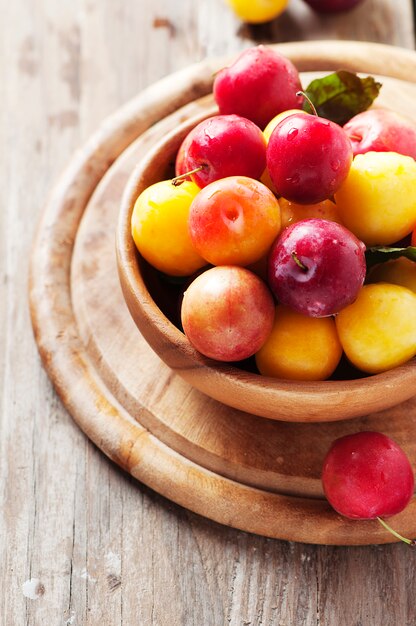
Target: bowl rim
[167, 337]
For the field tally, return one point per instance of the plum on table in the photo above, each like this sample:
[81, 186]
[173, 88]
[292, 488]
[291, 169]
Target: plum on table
[257, 11]
[332, 6]
[367, 476]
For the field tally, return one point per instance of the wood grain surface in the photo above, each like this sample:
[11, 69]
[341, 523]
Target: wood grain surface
[87, 543]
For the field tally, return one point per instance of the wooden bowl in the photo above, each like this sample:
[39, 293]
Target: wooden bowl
[146, 296]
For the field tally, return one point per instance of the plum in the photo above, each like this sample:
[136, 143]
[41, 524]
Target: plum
[332, 6]
[222, 146]
[308, 158]
[234, 221]
[367, 475]
[381, 130]
[316, 267]
[259, 84]
[227, 313]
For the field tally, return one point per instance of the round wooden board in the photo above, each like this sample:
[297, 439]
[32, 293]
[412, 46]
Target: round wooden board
[248, 472]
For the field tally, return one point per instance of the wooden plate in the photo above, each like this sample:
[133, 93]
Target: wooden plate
[250, 473]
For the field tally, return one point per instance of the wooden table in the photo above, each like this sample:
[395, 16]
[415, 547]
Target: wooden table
[81, 542]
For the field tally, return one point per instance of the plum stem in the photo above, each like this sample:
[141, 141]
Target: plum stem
[309, 101]
[298, 261]
[179, 179]
[410, 542]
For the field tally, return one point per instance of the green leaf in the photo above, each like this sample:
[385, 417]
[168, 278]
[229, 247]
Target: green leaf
[340, 96]
[381, 254]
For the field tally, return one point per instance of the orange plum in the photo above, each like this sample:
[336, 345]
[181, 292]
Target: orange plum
[234, 221]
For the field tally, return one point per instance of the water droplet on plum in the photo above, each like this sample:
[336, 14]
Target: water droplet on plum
[293, 179]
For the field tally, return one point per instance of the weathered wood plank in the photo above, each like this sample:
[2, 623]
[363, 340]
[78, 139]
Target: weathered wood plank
[39, 477]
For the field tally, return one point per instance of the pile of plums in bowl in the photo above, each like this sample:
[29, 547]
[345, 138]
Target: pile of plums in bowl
[273, 266]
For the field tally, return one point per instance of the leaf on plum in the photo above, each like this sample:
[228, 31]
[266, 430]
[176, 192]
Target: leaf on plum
[381, 254]
[341, 95]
